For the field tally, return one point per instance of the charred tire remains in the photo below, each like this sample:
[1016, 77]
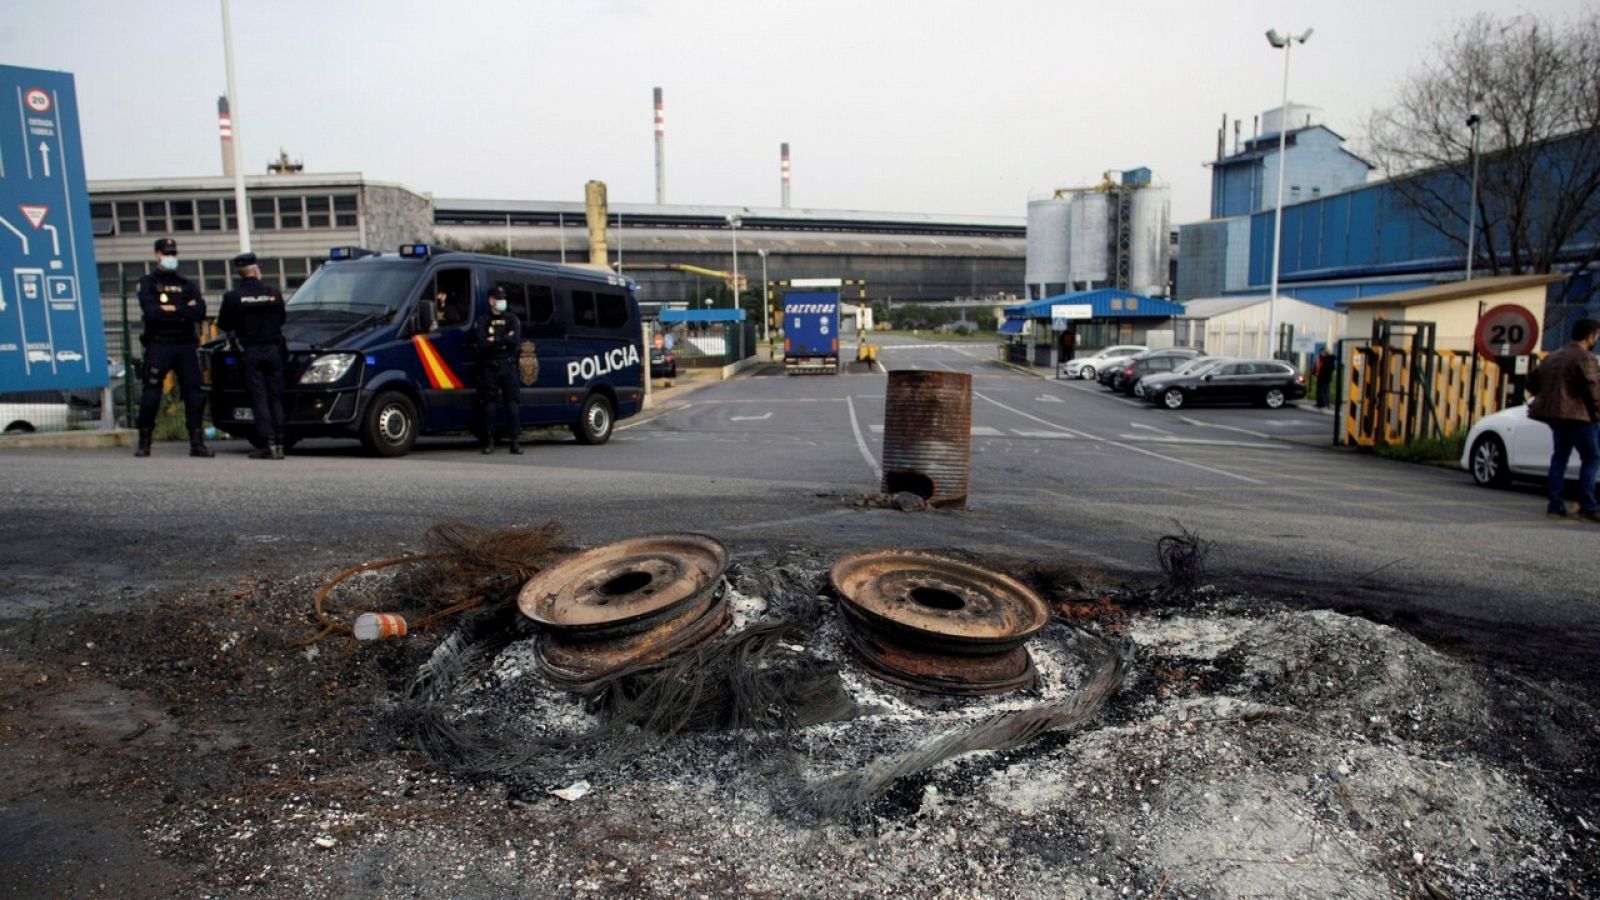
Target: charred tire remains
[634, 602]
[938, 624]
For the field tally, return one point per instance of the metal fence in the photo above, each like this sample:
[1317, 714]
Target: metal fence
[708, 345]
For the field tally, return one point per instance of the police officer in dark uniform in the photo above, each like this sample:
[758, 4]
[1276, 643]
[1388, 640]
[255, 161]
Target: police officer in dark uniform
[499, 337]
[172, 307]
[252, 315]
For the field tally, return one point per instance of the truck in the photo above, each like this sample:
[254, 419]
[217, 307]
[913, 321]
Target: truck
[811, 326]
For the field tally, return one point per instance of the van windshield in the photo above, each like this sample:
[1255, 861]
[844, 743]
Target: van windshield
[355, 289]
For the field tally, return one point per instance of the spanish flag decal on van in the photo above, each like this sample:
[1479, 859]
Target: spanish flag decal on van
[439, 374]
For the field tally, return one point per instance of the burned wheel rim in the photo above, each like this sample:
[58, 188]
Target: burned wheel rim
[626, 586]
[938, 624]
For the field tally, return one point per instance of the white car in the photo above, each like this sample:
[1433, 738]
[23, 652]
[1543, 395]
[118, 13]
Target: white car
[1510, 445]
[23, 412]
[1086, 367]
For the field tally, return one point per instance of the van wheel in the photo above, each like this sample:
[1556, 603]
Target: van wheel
[19, 428]
[390, 426]
[594, 423]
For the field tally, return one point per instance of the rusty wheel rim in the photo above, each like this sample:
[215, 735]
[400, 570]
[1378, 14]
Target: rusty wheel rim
[933, 623]
[626, 586]
[938, 601]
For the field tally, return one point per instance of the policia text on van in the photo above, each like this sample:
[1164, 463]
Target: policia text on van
[381, 349]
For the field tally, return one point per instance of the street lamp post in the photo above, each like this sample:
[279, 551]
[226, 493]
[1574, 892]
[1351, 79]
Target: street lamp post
[1472, 208]
[1284, 43]
[766, 295]
[733, 227]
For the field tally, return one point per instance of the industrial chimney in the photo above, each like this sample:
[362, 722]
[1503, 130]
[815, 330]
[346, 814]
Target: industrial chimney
[225, 127]
[594, 207]
[661, 153]
[785, 168]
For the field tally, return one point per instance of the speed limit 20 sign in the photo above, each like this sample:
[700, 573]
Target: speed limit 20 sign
[1507, 330]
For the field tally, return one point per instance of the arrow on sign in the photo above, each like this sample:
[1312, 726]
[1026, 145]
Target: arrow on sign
[55, 239]
[35, 214]
[44, 157]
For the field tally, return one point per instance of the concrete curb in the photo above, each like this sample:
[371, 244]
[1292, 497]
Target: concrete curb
[69, 440]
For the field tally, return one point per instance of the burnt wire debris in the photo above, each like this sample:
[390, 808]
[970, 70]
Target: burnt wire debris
[1182, 558]
[625, 628]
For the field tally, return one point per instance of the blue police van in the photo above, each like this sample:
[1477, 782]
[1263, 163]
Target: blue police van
[381, 348]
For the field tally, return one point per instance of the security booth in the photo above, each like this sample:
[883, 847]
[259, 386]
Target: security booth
[1050, 331]
[708, 338]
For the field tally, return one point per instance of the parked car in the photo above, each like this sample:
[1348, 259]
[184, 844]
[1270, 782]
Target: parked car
[23, 412]
[1128, 373]
[663, 364]
[1265, 381]
[1086, 367]
[1508, 445]
[1192, 367]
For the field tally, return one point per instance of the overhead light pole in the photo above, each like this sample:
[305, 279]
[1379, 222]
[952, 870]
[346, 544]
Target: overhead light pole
[238, 142]
[733, 227]
[1284, 43]
[1472, 208]
[766, 294]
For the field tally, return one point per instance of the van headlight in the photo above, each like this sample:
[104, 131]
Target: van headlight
[328, 368]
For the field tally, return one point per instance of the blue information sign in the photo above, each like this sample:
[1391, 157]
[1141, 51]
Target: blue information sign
[51, 335]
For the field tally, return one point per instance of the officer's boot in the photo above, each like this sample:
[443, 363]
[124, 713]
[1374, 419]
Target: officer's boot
[197, 444]
[516, 448]
[145, 435]
[277, 451]
[263, 452]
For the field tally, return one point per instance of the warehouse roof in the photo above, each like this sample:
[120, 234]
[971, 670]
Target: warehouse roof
[1455, 290]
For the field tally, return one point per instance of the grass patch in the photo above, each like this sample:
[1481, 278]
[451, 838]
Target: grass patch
[1426, 450]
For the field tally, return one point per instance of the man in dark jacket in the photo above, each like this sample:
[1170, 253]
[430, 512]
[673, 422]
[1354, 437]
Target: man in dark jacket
[172, 307]
[499, 336]
[1326, 365]
[252, 315]
[1566, 389]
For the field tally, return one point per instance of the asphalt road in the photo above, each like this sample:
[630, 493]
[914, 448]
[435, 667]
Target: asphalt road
[1062, 471]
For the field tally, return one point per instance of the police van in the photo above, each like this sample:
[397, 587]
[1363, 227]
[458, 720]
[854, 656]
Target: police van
[381, 348]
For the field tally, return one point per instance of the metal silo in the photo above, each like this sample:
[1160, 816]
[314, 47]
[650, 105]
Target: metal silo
[1091, 238]
[1147, 270]
[1048, 260]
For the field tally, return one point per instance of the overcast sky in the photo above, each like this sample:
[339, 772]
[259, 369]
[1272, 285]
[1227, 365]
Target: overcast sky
[938, 106]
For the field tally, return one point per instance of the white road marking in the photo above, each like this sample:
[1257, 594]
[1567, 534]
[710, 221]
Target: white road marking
[761, 418]
[1046, 398]
[1150, 427]
[1053, 435]
[665, 412]
[1203, 424]
[1199, 442]
[1095, 437]
[861, 442]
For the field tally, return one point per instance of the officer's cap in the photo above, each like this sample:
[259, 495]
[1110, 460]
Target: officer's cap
[497, 293]
[166, 245]
[244, 259]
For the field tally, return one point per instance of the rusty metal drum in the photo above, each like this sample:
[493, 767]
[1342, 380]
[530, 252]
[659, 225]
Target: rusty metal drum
[927, 435]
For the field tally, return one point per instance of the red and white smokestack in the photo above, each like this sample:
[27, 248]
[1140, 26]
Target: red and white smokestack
[661, 152]
[225, 128]
[785, 165]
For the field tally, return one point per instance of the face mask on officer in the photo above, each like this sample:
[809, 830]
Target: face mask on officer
[169, 263]
[500, 306]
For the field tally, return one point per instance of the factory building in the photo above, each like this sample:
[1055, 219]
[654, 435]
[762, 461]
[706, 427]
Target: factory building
[1112, 235]
[1215, 255]
[679, 253]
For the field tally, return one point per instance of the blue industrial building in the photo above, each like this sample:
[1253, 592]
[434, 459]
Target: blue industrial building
[1358, 241]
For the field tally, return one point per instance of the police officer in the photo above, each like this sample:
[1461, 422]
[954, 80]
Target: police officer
[499, 337]
[252, 315]
[172, 307]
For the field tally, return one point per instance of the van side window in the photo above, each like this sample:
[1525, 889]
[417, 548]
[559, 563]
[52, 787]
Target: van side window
[453, 288]
[541, 304]
[583, 311]
[612, 310]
